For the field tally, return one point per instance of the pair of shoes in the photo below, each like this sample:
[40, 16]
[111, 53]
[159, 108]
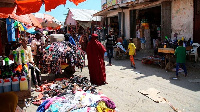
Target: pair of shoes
[110, 64]
[134, 67]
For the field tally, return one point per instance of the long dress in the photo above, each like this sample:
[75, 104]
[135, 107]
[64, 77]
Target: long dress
[95, 54]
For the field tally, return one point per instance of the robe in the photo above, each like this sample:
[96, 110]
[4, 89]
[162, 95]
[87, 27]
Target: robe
[96, 65]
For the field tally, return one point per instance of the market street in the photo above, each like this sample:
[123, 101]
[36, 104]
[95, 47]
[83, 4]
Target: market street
[124, 83]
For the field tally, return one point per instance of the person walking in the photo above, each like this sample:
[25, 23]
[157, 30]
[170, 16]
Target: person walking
[180, 54]
[132, 52]
[109, 46]
[96, 65]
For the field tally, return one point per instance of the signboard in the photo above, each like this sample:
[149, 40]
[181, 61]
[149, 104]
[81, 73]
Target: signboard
[103, 4]
[111, 2]
[125, 1]
[119, 1]
[107, 3]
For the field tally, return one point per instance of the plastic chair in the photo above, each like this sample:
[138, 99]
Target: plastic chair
[194, 52]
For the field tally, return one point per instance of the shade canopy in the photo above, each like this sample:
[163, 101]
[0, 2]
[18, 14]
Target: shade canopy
[28, 19]
[21, 7]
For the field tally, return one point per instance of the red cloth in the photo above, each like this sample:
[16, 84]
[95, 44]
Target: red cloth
[6, 10]
[28, 6]
[1, 50]
[52, 4]
[76, 2]
[95, 54]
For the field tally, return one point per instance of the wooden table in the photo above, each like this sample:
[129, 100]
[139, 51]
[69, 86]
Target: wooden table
[167, 51]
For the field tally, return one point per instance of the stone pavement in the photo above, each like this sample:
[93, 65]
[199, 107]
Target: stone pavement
[124, 82]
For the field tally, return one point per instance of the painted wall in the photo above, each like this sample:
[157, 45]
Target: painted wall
[182, 18]
[69, 19]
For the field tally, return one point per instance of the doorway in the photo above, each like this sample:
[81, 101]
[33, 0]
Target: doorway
[196, 36]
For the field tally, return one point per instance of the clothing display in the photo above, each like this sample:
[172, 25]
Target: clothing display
[58, 54]
[75, 95]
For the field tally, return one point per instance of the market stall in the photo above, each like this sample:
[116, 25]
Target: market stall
[60, 55]
[75, 95]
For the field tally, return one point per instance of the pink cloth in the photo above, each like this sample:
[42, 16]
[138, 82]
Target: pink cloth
[52, 100]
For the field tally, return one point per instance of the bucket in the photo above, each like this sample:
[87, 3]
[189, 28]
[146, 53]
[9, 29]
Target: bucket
[7, 85]
[1, 86]
[23, 83]
[15, 84]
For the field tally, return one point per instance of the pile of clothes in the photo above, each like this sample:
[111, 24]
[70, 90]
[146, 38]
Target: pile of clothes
[75, 95]
[155, 59]
[61, 53]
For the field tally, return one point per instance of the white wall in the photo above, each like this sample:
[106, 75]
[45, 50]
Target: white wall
[182, 18]
[69, 19]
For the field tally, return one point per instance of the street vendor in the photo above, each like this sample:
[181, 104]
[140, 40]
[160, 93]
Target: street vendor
[28, 59]
[27, 52]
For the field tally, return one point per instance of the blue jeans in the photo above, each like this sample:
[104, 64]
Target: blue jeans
[183, 66]
[110, 54]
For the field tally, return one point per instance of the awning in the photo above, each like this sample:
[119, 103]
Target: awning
[30, 6]
[85, 25]
[132, 4]
[27, 19]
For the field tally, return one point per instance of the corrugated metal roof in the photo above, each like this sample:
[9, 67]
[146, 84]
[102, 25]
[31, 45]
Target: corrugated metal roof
[84, 14]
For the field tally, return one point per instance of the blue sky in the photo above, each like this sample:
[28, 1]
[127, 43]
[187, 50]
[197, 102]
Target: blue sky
[60, 10]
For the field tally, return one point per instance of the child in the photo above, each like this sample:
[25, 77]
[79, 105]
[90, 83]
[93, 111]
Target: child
[132, 52]
[180, 54]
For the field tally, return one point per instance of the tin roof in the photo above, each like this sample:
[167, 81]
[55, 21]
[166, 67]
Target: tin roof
[84, 15]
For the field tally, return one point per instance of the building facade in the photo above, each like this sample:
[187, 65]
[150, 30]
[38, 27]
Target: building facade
[157, 18]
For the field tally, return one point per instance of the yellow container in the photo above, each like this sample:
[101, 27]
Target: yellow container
[23, 83]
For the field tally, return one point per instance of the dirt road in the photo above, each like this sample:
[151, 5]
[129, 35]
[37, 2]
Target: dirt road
[124, 82]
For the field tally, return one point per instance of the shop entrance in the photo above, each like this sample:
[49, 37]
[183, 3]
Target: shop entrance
[114, 25]
[196, 37]
[150, 19]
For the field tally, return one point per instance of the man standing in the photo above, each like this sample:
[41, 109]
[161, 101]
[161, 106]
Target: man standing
[109, 46]
[180, 54]
[96, 65]
[28, 58]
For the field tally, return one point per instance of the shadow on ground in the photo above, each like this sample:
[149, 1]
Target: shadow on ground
[151, 70]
